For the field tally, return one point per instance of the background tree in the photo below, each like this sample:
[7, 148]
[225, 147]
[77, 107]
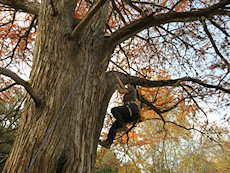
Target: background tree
[106, 162]
[188, 38]
[9, 119]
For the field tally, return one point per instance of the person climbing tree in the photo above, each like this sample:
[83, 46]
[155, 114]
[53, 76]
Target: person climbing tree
[127, 113]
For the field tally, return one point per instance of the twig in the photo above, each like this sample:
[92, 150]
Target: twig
[190, 95]
[8, 87]
[219, 27]
[213, 43]
[119, 67]
[142, 99]
[174, 106]
[127, 58]
[191, 128]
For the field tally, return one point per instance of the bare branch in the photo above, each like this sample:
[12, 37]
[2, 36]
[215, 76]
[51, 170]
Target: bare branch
[214, 45]
[152, 20]
[87, 18]
[25, 6]
[184, 42]
[143, 100]
[32, 24]
[209, 85]
[119, 67]
[219, 27]
[118, 11]
[174, 106]
[127, 58]
[135, 7]
[26, 35]
[8, 87]
[22, 82]
[197, 105]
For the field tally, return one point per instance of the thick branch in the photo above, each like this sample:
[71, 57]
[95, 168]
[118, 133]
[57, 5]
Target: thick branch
[151, 20]
[21, 5]
[161, 83]
[22, 82]
[87, 18]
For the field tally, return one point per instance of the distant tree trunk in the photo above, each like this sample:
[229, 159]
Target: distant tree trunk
[58, 62]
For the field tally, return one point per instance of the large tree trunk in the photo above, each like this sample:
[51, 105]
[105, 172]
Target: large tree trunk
[58, 62]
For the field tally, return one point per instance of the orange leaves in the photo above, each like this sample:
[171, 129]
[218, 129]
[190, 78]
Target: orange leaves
[182, 5]
[81, 9]
[17, 36]
[10, 96]
[142, 116]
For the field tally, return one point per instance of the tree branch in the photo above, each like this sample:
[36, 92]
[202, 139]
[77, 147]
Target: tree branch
[151, 20]
[214, 45]
[219, 27]
[22, 5]
[87, 18]
[197, 105]
[118, 11]
[143, 100]
[174, 106]
[126, 78]
[134, 7]
[217, 87]
[22, 82]
[127, 59]
[8, 87]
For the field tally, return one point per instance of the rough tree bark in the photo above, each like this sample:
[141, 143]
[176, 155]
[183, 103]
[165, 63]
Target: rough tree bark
[57, 64]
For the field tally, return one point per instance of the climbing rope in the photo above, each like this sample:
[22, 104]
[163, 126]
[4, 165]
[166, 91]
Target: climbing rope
[99, 42]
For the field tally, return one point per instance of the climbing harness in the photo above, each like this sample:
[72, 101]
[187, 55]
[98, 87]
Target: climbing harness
[130, 110]
[65, 103]
[131, 101]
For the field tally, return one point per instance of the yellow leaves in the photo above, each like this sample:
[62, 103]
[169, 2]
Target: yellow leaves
[142, 116]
